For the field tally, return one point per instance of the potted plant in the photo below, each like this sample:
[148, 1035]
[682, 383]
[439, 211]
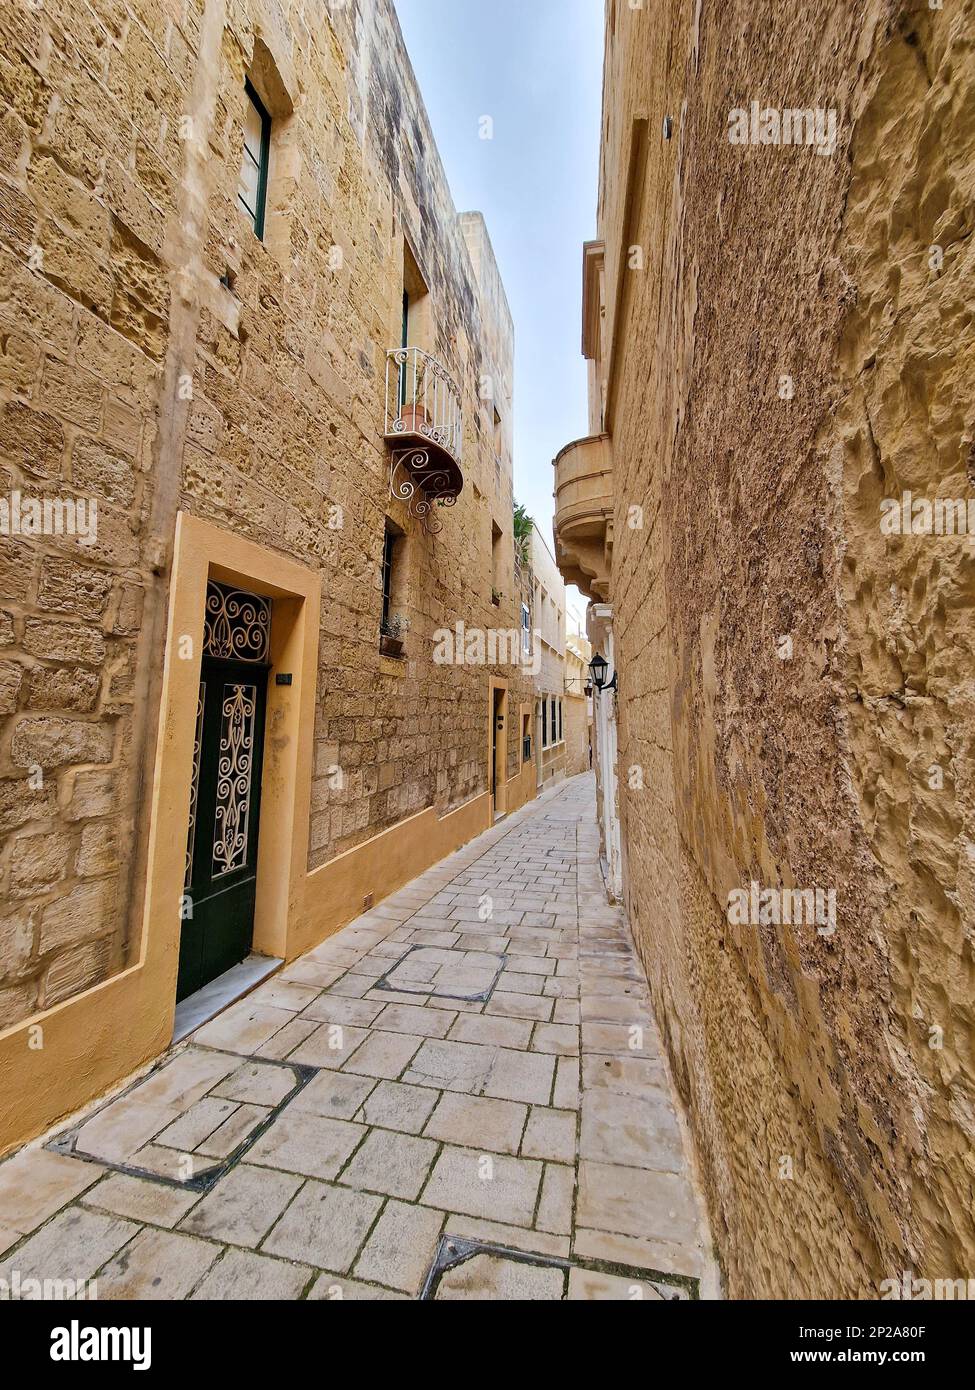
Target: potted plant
[496, 597]
[391, 633]
[414, 417]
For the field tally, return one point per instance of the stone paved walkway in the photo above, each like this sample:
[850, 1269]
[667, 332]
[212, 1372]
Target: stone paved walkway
[460, 1095]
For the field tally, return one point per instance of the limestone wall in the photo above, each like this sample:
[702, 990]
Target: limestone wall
[578, 706]
[155, 356]
[549, 625]
[576, 735]
[789, 354]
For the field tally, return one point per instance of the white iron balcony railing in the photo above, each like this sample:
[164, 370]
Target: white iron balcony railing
[422, 402]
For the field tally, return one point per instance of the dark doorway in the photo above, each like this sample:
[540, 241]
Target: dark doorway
[225, 801]
[499, 745]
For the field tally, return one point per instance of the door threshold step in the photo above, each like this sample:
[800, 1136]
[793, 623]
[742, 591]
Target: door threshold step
[197, 1009]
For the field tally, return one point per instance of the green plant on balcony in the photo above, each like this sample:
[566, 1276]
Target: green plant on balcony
[522, 530]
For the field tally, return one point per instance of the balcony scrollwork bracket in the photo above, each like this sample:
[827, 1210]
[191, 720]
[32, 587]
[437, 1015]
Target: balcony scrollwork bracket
[424, 434]
[423, 484]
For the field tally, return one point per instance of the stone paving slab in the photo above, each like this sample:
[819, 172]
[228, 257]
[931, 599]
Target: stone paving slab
[73, 1245]
[395, 1106]
[243, 1206]
[242, 1275]
[147, 1202]
[495, 1125]
[157, 1265]
[475, 1060]
[35, 1183]
[395, 1165]
[324, 1226]
[301, 1142]
[400, 1247]
[490, 1185]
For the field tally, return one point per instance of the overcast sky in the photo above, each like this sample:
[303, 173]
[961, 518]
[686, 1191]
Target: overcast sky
[534, 67]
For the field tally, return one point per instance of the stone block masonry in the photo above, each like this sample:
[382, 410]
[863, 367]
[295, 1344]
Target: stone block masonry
[791, 343]
[157, 357]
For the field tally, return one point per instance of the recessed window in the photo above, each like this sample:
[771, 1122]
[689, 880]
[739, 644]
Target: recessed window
[526, 636]
[542, 706]
[560, 721]
[551, 736]
[394, 621]
[252, 185]
[414, 334]
[394, 578]
[404, 344]
[389, 550]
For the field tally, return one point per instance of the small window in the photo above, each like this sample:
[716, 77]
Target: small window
[415, 333]
[389, 550]
[404, 345]
[544, 724]
[560, 721]
[551, 737]
[526, 636]
[252, 185]
[526, 739]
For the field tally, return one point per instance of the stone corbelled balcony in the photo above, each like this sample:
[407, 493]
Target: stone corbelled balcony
[424, 430]
[584, 515]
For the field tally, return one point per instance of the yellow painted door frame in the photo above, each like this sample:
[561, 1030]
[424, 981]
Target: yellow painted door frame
[497, 748]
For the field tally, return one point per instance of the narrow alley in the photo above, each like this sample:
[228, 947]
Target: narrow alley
[487, 501]
[461, 1095]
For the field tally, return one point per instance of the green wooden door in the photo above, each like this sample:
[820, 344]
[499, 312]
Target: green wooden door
[221, 871]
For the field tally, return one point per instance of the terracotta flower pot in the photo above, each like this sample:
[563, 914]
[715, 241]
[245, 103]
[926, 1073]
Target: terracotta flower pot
[413, 417]
[391, 646]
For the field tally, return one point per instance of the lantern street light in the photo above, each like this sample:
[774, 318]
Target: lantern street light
[598, 668]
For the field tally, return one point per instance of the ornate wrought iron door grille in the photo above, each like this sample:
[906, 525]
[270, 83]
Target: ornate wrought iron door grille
[235, 774]
[236, 624]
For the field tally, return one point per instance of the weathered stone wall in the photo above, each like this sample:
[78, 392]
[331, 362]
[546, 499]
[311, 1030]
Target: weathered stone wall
[549, 621]
[89, 171]
[155, 355]
[576, 735]
[578, 707]
[835, 1134]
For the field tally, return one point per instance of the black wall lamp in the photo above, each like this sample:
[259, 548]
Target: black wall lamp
[597, 669]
